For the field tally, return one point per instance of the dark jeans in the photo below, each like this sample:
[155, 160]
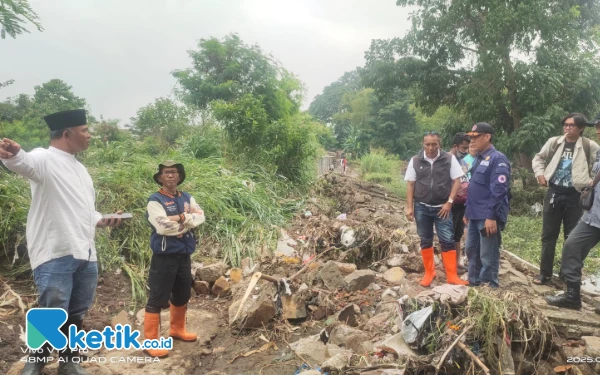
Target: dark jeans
[458, 214]
[483, 254]
[426, 217]
[577, 247]
[563, 210]
[170, 276]
[67, 283]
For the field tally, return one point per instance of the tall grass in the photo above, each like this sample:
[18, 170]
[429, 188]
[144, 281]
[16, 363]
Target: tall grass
[385, 169]
[522, 237]
[243, 205]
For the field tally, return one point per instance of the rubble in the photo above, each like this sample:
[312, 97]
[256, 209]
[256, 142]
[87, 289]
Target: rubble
[332, 276]
[311, 349]
[221, 287]
[394, 275]
[349, 315]
[211, 272]
[201, 287]
[359, 280]
[592, 346]
[235, 275]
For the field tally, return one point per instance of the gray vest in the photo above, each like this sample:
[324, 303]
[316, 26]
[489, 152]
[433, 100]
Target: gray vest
[433, 183]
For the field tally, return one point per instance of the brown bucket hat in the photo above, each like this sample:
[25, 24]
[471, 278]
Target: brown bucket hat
[168, 164]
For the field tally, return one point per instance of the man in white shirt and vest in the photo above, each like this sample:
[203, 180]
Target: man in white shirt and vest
[433, 179]
[61, 225]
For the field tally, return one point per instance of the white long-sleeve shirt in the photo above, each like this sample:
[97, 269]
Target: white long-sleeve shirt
[158, 217]
[62, 218]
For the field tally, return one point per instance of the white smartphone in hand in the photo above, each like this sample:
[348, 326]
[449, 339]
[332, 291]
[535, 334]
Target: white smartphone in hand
[124, 215]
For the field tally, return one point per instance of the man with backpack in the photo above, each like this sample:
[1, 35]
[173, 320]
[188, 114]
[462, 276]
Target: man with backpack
[460, 149]
[563, 165]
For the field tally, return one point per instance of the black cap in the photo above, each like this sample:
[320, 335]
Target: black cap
[594, 121]
[170, 163]
[66, 119]
[481, 128]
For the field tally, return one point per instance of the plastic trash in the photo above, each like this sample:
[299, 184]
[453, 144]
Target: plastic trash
[348, 236]
[341, 217]
[413, 324]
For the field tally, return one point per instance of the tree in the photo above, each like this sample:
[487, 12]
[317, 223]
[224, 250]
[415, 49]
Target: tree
[24, 112]
[164, 119]
[519, 65]
[228, 69]
[15, 13]
[328, 103]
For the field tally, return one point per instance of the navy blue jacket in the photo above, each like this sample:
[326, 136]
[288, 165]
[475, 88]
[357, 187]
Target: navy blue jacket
[182, 244]
[487, 196]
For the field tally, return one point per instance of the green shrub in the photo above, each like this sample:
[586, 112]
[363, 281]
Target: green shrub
[378, 161]
[243, 208]
[379, 178]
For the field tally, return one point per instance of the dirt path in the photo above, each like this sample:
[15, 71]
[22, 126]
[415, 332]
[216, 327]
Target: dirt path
[381, 233]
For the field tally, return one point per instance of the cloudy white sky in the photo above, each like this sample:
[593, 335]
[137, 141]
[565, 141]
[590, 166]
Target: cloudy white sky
[118, 54]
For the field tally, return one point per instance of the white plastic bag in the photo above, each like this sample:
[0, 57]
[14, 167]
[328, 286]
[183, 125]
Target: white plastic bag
[413, 324]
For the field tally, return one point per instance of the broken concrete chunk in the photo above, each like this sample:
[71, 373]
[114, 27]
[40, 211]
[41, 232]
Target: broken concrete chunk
[349, 315]
[351, 338]
[592, 346]
[346, 268]
[336, 363]
[394, 275]
[359, 280]
[235, 274]
[310, 348]
[294, 306]
[331, 276]
[221, 287]
[409, 262]
[389, 294]
[201, 287]
[257, 309]
[396, 345]
[211, 272]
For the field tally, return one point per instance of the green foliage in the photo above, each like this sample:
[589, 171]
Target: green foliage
[22, 118]
[14, 14]
[228, 70]
[108, 131]
[380, 167]
[163, 119]
[518, 66]
[362, 119]
[379, 178]
[523, 237]
[243, 206]
[378, 161]
[289, 144]
[327, 104]
[257, 102]
[204, 142]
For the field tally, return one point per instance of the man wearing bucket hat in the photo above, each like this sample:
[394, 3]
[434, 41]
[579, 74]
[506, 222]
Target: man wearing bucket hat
[172, 215]
[61, 225]
[487, 207]
[577, 246]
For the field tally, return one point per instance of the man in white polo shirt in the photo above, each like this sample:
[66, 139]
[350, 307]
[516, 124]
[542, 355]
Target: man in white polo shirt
[433, 179]
[61, 224]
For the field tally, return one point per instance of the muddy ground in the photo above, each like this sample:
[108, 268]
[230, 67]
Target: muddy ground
[381, 231]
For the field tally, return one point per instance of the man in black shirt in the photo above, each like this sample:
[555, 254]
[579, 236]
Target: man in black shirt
[563, 165]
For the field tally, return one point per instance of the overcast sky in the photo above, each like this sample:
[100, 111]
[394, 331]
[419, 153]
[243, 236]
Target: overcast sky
[118, 54]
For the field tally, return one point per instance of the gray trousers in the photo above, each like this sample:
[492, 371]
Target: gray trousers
[576, 248]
